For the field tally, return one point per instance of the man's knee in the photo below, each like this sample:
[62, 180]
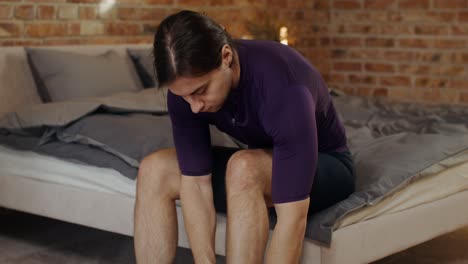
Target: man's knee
[159, 173]
[243, 171]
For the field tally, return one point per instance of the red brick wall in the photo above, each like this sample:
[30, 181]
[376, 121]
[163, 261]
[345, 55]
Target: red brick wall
[412, 50]
[61, 22]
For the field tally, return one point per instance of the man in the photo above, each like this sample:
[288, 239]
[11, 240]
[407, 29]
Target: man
[266, 95]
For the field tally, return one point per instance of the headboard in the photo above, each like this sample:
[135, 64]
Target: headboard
[17, 85]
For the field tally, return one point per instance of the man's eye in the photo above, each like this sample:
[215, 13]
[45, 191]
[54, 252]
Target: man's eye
[201, 91]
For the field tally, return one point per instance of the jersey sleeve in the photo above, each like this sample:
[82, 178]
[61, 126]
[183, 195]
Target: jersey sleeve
[191, 137]
[289, 119]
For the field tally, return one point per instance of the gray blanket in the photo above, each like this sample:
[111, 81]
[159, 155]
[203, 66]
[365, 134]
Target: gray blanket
[391, 143]
[128, 126]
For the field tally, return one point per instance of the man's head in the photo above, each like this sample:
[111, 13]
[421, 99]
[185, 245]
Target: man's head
[195, 58]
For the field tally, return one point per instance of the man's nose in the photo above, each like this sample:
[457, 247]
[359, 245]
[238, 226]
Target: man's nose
[196, 105]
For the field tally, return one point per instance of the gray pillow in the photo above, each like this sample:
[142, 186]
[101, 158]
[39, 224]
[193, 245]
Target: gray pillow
[144, 64]
[62, 76]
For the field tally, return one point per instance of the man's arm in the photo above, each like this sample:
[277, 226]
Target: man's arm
[196, 196]
[289, 118]
[192, 141]
[286, 243]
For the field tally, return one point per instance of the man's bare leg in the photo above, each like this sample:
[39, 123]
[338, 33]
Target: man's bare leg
[248, 184]
[155, 219]
[247, 216]
[160, 184]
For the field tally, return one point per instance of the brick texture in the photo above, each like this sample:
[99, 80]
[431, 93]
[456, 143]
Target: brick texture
[24, 12]
[50, 22]
[410, 50]
[402, 49]
[46, 12]
[6, 11]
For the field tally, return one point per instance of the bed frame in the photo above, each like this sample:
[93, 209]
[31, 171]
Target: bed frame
[362, 242]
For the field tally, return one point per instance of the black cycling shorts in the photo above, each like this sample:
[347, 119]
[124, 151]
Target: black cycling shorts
[334, 179]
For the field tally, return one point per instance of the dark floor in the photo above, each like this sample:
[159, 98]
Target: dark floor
[30, 239]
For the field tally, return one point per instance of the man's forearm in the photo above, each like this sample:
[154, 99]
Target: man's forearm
[196, 197]
[288, 236]
[286, 242]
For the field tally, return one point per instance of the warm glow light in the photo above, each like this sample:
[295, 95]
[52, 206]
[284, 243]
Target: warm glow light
[105, 6]
[284, 35]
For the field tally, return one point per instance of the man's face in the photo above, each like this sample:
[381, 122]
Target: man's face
[207, 93]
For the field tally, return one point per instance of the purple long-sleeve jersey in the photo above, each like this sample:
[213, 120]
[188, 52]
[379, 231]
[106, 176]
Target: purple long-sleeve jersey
[281, 102]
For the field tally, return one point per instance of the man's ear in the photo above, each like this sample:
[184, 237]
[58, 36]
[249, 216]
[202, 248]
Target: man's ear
[227, 55]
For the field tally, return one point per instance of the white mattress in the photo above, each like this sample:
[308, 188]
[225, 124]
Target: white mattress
[75, 200]
[54, 170]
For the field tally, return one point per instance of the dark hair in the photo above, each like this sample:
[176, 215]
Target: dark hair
[188, 44]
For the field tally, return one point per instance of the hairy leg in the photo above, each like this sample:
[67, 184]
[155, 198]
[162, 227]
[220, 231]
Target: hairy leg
[248, 187]
[155, 217]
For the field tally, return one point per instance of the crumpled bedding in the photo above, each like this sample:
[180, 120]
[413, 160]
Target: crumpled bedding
[127, 126]
[391, 143]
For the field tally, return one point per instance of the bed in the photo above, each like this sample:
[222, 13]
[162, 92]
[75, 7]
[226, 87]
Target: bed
[425, 207]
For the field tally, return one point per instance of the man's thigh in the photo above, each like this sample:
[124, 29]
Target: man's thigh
[334, 181]
[263, 166]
